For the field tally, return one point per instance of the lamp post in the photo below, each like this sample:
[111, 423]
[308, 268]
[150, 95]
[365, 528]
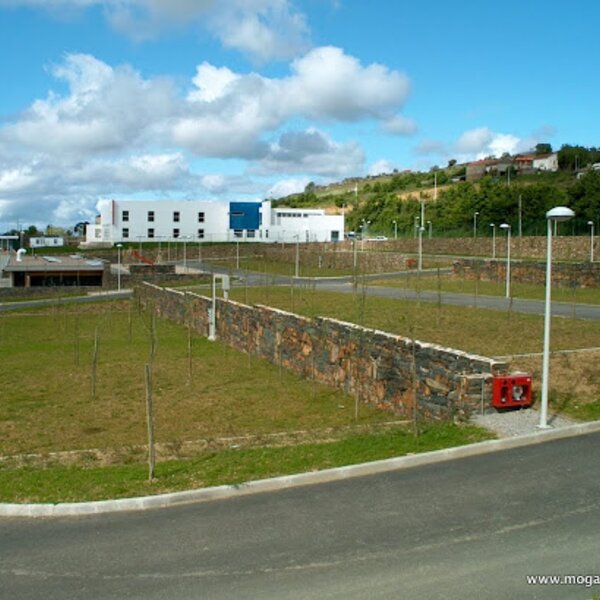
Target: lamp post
[212, 312]
[507, 227]
[185, 237]
[416, 225]
[553, 216]
[364, 228]
[395, 229]
[119, 246]
[297, 270]
[493, 226]
[237, 254]
[421, 230]
[591, 224]
[475, 223]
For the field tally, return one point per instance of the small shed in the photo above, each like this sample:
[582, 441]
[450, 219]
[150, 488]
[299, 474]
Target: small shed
[56, 270]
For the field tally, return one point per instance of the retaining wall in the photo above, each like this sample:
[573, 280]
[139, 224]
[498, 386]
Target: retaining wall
[563, 274]
[380, 368]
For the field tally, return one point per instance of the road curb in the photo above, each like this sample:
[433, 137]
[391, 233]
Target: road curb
[291, 481]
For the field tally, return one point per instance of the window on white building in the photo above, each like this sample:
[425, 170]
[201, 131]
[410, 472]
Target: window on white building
[200, 217]
[200, 234]
[125, 233]
[125, 216]
[176, 216]
[238, 233]
[151, 216]
[150, 233]
[175, 233]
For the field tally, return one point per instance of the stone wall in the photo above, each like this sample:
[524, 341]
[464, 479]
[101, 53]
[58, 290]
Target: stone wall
[379, 368]
[563, 274]
[339, 256]
[563, 247]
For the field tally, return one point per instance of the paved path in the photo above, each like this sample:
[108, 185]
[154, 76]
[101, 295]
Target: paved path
[470, 528]
[344, 285]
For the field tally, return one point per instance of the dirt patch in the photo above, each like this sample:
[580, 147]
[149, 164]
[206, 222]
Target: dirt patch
[573, 374]
[188, 449]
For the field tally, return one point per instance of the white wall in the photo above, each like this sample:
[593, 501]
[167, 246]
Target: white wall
[312, 225]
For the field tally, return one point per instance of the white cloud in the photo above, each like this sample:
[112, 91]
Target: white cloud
[211, 83]
[311, 151]
[381, 167]
[19, 179]
[285, 187]
[227, 112]
[99, 138]
[263, 29]
[481, 142]
[400, 125]
[474, 141]
[329, 84]
[101, 113]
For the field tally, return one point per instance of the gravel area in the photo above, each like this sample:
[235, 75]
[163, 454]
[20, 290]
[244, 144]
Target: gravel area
[518, 422]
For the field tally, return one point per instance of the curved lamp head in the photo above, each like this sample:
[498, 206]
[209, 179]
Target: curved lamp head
[590, 222]
[504, 226]
[560, 213]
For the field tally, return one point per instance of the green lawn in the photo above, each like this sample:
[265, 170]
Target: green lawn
[68, 484]
[451, 283]
[477, 330]
[49, 353]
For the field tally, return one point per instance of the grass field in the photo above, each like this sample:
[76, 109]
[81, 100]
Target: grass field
[476, 330]
[451, 283]
[48, 406]
[63, 483]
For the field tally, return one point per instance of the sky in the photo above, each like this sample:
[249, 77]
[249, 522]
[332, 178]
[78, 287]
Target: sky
[252, 99]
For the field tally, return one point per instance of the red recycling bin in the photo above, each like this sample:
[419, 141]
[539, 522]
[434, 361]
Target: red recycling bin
[511, 390]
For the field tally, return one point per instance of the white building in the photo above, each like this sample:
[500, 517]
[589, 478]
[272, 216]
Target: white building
[547, 162]
[199, 220]
[46, 242]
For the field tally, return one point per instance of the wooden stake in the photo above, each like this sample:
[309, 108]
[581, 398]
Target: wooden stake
[150, 424]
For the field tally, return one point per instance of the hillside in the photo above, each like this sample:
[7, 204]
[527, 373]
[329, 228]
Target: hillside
[451, 204]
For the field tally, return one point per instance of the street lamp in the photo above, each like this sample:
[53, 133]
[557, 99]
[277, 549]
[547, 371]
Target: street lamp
[395, 229]
[212, 311]
[553, 216]
[185, 238]
[421, 230]
[297, 270]
[119, 246]
[364, 229]
[591, 224]
[475, 223]
[493, 226]
[507, 227]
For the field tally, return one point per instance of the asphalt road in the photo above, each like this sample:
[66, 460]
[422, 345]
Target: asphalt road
[471, 528]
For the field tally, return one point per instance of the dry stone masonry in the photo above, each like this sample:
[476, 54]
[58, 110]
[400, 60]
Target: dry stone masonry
[387, 370]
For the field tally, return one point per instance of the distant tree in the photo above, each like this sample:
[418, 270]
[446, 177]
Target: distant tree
[310, 188]
[543, 148]
[451, 163]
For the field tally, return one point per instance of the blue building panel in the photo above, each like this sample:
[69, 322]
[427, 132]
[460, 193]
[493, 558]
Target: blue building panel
[244, 215]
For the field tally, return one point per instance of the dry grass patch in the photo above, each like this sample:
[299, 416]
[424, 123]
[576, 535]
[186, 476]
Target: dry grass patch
[46, 377]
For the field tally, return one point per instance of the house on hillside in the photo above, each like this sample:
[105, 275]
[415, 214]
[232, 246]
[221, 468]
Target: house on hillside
[546, 162]
[479, 168]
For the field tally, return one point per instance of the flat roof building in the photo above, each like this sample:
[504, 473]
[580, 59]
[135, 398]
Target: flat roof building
[200, 220]
[42, 271]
